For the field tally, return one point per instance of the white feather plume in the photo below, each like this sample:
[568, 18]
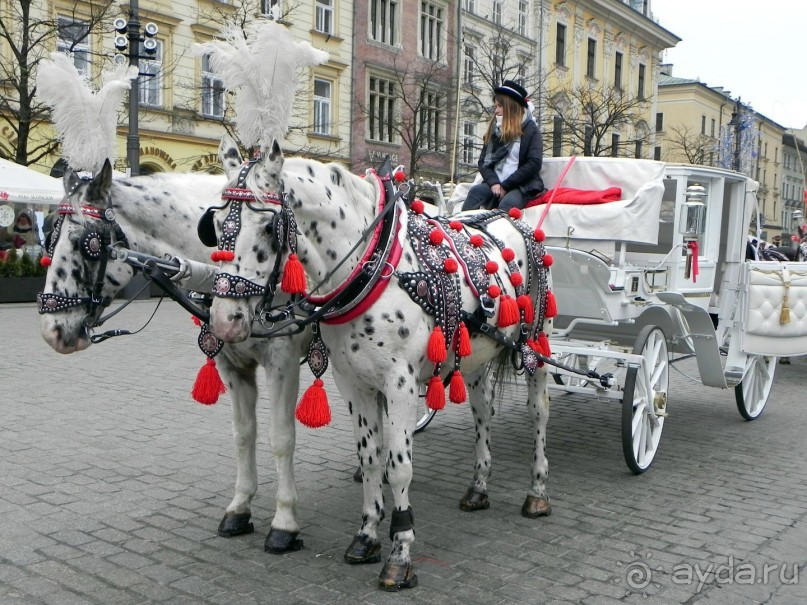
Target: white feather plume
[86, 120]
[261, 67]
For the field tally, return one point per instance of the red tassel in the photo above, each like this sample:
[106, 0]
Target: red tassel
[456, 390]
[539, 235]
[508, 312]
[476, 240]
[491, 267]
[494, 290]
[436, 350]
[551, 305]
[455, 225]
[435, 237]
[196, 320]
[293, 276]
[463, 341]
[542, 345]
[508, 254]
[313, 410]
[208, 385]
[548, 260]
[514, 213]
[45, 261]
[516, 279]
[436, 394]
[227, 255]
[525, 304]
[417, 207]
[214, 256]
[450, 265]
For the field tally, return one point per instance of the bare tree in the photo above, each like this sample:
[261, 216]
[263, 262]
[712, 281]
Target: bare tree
[28, 33]
[693, 147]
[596, 120]
[420, 92]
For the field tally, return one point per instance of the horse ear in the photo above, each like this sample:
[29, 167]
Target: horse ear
[275, 153]
[230, 156]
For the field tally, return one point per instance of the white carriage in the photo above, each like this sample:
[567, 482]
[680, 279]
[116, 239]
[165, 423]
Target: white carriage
[633, 299]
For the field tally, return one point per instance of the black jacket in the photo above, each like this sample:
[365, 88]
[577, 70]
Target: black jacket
[527, 177]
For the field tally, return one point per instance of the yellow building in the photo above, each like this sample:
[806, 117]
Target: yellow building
[182, 105]
[699, 124]
[606, 46]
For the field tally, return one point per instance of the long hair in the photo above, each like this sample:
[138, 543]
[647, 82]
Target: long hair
[513, 115]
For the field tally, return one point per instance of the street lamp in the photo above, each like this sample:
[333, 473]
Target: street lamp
[736, 126]
[128, 39]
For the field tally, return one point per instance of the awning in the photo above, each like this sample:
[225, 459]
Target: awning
[24, 185]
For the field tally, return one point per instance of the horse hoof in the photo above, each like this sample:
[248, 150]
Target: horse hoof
[280, 541]
[236, 524]
[535, 507]
[394, 577]
[473, 500]
[358, 476]
[363, 550]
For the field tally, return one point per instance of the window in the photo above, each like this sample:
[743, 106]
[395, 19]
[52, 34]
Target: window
[384, 21]
[659, 122]
[322, 106]
[73, 38]
[557, 136]
[212, 91]
[638, 150]
[430, 119]
[469, 5]
[560, 45]
[614, 145]
[657, 153]
[469, 71]
[588, 135]
[523, 15]
[468, 142]
[272, 9]
[497, 11]
[713, 127]
[618, 71]
[640, 87]
[324, 16]
[703, 124]
[431, 31]
[591, 57]
[382, 110]
[151, 93]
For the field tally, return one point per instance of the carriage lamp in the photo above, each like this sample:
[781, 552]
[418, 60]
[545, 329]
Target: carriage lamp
[692, 222]
[692, 225]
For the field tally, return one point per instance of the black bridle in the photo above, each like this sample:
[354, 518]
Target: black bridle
[94, 245]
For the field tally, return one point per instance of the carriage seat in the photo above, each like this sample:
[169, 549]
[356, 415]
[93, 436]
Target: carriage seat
[634, 218]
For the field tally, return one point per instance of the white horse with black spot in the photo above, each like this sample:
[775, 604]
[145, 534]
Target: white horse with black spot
[158, 215]
[393, 294]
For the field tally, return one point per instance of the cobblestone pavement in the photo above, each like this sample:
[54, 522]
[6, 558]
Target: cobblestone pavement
[113, 481]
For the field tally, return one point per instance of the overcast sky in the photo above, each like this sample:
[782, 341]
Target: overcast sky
[753, 49]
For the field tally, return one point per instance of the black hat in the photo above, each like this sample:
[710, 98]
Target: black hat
[513, 90]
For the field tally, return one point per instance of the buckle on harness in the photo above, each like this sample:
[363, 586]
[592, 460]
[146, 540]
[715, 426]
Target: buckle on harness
[486, 303]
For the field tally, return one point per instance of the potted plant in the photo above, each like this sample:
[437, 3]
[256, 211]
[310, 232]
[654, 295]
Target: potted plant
[21, 277]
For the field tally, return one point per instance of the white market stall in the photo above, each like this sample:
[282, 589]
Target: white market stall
[22, 188]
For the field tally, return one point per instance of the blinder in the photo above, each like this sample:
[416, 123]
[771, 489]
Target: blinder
[206, 230]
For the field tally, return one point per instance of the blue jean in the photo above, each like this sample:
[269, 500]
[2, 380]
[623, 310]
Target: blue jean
[480, 196]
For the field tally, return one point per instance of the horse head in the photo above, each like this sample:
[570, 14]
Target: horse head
[82, 278]
[250, 247]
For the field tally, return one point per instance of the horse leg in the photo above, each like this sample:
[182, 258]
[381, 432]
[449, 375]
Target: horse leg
[537, 502]
[480, 395]
[282, 379]
[398, 571]
[243, 391]
[368, 429]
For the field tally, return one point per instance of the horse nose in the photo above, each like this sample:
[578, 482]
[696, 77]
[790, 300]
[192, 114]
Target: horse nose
[236, 316]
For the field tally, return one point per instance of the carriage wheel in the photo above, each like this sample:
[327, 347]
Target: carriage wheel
[424, 412]
[644, 402]
[753, 391]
